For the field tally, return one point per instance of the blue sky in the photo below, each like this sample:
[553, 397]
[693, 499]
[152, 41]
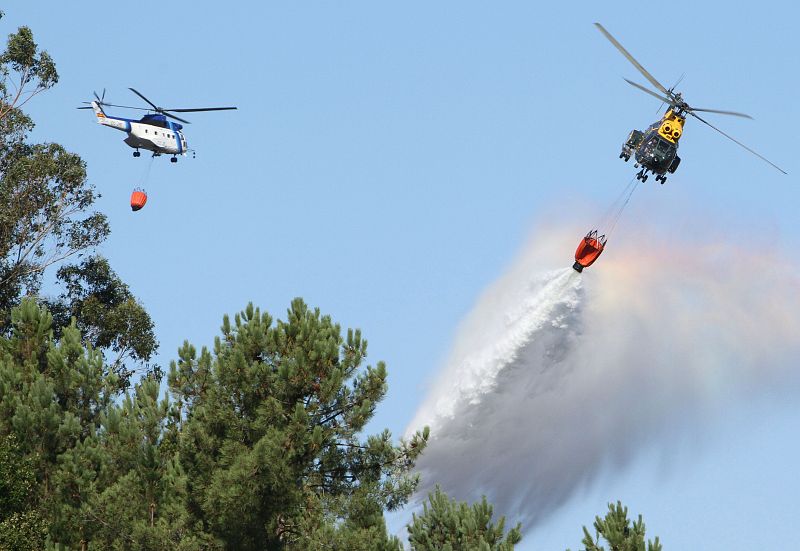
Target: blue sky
[387, 162]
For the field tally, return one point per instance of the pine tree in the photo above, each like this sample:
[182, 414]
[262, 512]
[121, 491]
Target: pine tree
[139, 501]
[105, 470]
[270, 438]
[619, 532]
[446, 525]
[52, 398]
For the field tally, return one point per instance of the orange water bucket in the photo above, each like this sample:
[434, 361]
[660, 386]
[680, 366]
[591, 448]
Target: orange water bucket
[588, 250]
[138, 199]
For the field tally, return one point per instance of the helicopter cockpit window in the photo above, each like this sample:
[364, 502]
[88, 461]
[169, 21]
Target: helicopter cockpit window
[663, 146]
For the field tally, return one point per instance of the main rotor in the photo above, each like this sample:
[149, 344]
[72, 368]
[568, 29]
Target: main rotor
[675, 99]
[153, 107]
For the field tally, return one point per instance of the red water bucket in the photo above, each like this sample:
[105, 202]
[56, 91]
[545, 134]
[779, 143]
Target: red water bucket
[138, 199]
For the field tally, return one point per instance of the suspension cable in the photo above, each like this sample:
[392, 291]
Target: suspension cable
[146, 174]
[613, 209]
[618, 215]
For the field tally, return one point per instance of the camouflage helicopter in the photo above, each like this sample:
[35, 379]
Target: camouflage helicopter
[656, 147]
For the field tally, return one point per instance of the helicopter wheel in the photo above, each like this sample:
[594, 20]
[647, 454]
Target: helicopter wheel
[173, 160]
[136, 154]
[644, 178]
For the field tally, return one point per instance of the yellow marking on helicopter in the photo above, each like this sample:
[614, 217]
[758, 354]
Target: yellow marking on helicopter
[671, 127]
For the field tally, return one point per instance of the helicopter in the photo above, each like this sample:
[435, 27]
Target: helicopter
[656, 147]
[153, 131]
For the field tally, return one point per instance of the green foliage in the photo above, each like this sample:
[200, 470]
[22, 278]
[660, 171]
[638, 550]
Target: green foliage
[357, 525]
[45, 218]
[25, 71]
[270, 438]
[106, 312]
[44, 195]
[258, 450]
[139, 485]
[618, 531]
[25, 531]
[105, 469]
[51, 396]
[17, 478]
[446, 525]
[21, 526]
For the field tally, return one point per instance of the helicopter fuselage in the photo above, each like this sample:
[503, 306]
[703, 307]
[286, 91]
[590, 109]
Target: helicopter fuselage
[655, 148]
[152, 132]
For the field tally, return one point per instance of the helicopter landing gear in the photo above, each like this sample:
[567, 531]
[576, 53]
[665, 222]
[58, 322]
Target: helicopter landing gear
[174, 159]
[641, 175]
[661, 178]
[137, 154]
[625, 156]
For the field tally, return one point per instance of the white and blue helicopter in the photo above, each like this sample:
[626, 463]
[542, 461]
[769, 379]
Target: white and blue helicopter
[153, 131]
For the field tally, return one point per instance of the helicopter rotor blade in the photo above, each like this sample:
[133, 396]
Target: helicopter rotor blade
[145, 99]
[630, 58]
[736, 141]
[648, 91]
[98, 97]
[114, 105]
[126, 107]
[201, 109]
[734, 113]
[168, 114]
